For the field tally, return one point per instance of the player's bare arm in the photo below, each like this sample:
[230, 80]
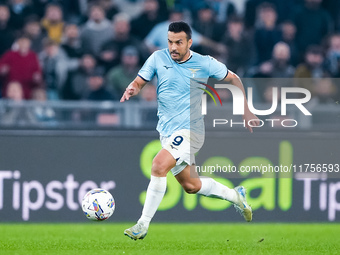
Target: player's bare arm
[234, 79]
[133, 89]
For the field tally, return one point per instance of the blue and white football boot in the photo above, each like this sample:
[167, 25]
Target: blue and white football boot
[242, 206]
[138, 231]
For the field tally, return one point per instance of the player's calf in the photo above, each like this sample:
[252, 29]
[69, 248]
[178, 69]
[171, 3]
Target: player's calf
[191, 187]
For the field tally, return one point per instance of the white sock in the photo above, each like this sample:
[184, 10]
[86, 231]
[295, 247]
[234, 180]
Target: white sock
[154, 196]
[212, 188]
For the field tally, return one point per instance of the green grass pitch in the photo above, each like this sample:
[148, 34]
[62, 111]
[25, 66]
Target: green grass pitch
[195, 238]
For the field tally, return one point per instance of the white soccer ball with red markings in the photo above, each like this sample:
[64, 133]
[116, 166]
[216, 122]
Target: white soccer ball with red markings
[98, 204]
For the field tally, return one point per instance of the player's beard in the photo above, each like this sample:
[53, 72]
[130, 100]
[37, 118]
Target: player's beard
[181, 56]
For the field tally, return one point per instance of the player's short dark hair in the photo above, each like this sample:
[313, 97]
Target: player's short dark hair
[180, 26]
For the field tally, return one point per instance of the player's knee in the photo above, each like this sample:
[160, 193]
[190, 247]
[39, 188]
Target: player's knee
[191, 188]
[158, 168]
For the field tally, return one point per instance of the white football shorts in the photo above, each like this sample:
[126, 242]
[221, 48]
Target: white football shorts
[182, 145]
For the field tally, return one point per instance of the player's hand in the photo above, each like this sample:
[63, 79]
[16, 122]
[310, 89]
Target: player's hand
[251, 120]
[129, 92]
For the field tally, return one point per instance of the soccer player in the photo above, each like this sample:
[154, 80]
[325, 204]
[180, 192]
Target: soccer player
[182, 133]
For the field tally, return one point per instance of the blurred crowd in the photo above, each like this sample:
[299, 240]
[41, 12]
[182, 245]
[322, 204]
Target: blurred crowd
[91, 50]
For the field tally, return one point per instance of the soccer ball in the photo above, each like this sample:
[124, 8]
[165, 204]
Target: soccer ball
[98, 204]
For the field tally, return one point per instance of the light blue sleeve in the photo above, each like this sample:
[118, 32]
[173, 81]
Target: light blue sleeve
[147, 72]
[217, 69]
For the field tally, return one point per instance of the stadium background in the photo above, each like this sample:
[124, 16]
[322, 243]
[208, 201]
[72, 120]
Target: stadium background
[62, 130]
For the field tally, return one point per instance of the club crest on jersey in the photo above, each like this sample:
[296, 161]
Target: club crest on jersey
[193, 72]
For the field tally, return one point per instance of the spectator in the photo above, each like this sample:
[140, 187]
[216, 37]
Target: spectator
[313, 23]
[251, 6]
[284, 9]
[75, 87]
[278, 66]
[71, 43]
[96, 31]
[71, 9]
[289, 36]
[224, 9]
[22, 65]
[240, 47]
[207, 25]
[333, 7]
[14, 91]
[157, 38]
[267, 34]
[133, 8]
[20, 10]
[96, 88]
[111, 51]
[42, 112]
[40, 6]
[16, 114]
[325, 91]
[143, 24]
[32, 30]
[119, 76]
[53, 22]
[267, 72]
[6, 33]
[312, 67]
[333, 55]
[190, 5]
[56, 66]
[109, 7]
